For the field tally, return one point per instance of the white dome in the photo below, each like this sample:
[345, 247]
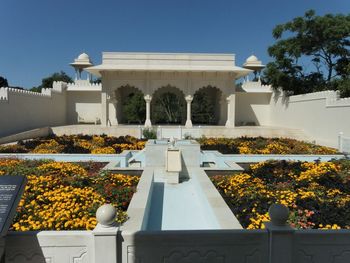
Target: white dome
[82, 61]
[83, 56]
[253, 63]
[252, 58]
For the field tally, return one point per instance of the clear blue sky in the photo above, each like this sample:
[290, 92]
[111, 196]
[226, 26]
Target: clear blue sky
[40, 37]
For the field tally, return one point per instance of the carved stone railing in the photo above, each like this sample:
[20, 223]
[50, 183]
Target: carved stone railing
[82, 85]
[278, 242]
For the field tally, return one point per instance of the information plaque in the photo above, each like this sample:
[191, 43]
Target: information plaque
[11, 190]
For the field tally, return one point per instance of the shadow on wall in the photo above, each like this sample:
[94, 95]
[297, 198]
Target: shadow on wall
[252, 120]
[214, 246]
[184, 174]
[285, 99]
[156, 209]
[35, 133]
[252, 109]
[30, 250]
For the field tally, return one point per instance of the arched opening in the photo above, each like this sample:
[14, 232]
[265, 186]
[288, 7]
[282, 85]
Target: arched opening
[168, 106]
[206, 106]
[131, 105]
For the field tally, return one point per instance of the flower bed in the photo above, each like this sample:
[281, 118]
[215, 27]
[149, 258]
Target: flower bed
[111, 145]
[317, 194]
[76, 144]
[260, 145]
[65, 196]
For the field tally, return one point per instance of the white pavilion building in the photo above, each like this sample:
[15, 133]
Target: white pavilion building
[153, 74]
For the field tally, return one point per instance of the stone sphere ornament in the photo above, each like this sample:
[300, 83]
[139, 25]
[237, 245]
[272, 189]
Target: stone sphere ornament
[279, 214]
[106, 215]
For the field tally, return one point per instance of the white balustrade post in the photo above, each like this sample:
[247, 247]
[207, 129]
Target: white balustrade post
[140, 132]
[280, 235]
[189, 100]
[148, 99]
[340, 141]
[158, 133]
[105, 235]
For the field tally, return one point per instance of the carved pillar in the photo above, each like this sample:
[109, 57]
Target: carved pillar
[188, 99]
[104, 105]
[113, 110]
[230, 122]
[148, 99]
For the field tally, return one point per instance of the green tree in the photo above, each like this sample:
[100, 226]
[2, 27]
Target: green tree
[3, 82]
[168, 108]
[48, 81]
[203, 111]
[134, 108]
[311, 53]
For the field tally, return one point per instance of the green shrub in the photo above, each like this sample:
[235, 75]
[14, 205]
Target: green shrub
[149, 133]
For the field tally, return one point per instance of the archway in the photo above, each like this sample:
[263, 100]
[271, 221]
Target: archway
[168, 106]
[131, 107]
[206, 106]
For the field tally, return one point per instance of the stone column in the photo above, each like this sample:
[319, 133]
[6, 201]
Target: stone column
[188, 99]
[230, 122]
[148, 99]
[113, 110]
[104, 105]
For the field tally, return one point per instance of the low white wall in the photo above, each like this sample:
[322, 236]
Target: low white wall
[22, 110]
[322, 115]
[36, 133]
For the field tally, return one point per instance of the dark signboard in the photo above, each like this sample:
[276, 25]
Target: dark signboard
[11, 190]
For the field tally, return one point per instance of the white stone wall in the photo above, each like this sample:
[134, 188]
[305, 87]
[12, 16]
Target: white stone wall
[253, 108]
[322, 115]
[83, 106]
[22, 110]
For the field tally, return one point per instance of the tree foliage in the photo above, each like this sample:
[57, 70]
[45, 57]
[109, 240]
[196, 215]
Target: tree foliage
[311, 53]
[3, 82]
[134, 108]
[48, 81]
[168, 108]
[203, 108]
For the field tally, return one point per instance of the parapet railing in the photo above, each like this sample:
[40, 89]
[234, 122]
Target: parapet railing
[331, 98]
[57, 87]
[107, 243]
